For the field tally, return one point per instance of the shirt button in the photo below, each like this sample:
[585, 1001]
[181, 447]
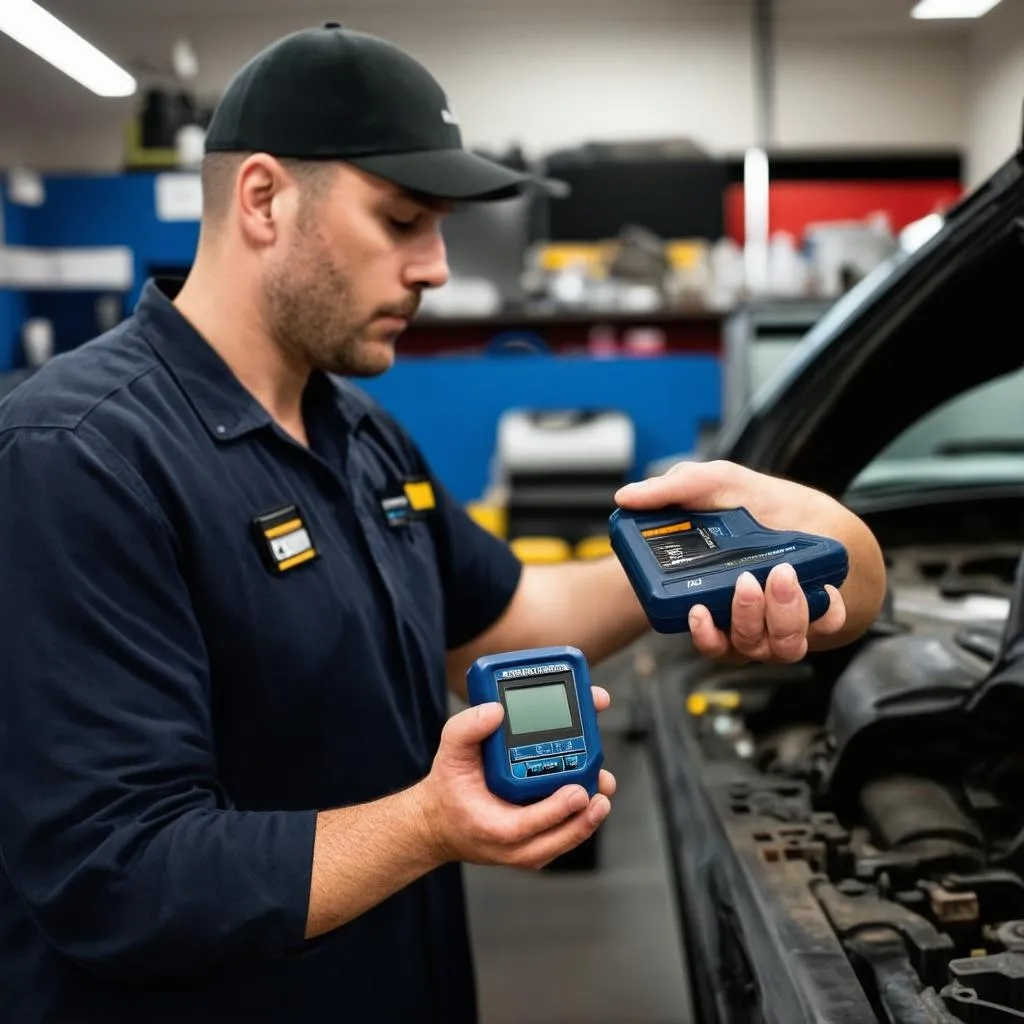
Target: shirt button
[221, 428]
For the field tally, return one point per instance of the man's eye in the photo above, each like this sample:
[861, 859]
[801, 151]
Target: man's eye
[402, 226]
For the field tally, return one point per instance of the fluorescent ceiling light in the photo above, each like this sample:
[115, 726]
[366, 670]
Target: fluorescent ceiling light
[952, 8]
[48, 37]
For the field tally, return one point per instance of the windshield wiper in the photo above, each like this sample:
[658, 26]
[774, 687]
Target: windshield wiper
[981, 446]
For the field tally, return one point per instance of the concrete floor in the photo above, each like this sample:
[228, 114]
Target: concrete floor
[598, 947]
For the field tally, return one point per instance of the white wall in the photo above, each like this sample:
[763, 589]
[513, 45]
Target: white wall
[552, 73]
[996, 89]
[906, 91]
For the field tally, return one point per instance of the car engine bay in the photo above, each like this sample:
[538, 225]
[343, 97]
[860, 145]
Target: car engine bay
[870, 797]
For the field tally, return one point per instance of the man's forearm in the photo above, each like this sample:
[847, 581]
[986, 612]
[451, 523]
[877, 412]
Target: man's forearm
[364, 854]
[589, 605]
[592, 606]
[864, 589]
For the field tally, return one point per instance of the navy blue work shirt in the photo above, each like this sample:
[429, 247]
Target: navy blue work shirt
[175, 707]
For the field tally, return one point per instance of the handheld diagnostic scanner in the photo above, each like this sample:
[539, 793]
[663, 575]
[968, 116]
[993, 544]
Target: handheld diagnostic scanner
[549, 736]
[676, 559]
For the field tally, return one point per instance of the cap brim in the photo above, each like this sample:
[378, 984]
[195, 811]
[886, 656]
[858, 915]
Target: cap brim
[454, 174]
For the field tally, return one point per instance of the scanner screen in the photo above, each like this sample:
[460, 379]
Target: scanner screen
[538, 708]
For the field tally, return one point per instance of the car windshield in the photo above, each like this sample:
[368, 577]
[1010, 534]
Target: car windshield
[976, 438]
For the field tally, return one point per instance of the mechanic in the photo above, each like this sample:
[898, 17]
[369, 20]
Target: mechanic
[235, 598]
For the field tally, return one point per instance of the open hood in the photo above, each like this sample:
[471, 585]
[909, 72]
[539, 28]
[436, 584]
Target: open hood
[921, 329]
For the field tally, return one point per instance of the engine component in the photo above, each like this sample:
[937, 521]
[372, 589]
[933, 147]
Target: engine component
[1000, 894]
[998, 702]
[898, 706]
[851, 914]
[1011, 935]
[987, 989]
[949, 907]
[921, 821]
[898, 987]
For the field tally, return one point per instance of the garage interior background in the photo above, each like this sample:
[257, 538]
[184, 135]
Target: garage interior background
[870, 120]
[736, 165]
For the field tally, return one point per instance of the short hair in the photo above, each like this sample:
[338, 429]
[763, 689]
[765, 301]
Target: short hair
[219, 171]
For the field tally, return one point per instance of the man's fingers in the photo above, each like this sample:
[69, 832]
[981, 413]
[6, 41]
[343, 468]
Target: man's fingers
[747, 631]
[835, 618]
[545, 848]
[602, 698]
[520, 824]
[707, 637]
[607, 784]
[786, 614]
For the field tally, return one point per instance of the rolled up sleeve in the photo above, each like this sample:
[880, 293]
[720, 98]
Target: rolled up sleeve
[113, 828]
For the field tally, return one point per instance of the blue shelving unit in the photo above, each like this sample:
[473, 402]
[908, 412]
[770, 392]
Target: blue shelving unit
[112, 210]
[89, 211]
[450, 404]
[12, 303]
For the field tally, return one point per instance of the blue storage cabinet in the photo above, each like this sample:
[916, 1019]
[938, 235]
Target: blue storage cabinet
[451, 404]
[12, 303]
[112, 210]
[89, 211]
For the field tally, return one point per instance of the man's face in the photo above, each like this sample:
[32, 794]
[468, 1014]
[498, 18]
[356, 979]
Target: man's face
[349, 273]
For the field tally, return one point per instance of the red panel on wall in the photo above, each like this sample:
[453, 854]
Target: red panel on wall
[795, 204]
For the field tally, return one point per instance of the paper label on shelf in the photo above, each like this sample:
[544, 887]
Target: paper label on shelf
[178, 197]
[25, 187]
[99, 268]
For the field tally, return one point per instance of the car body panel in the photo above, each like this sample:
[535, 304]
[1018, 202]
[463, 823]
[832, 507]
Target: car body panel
[819, 822]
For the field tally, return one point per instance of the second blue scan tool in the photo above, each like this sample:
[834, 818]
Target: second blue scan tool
[549, 736]
[676, 559]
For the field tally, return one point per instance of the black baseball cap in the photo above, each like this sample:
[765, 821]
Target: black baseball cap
[331, 93]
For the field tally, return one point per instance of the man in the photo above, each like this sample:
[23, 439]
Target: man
[230, 791]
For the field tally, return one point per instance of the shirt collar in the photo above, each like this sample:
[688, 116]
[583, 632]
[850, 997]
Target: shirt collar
[225, 406]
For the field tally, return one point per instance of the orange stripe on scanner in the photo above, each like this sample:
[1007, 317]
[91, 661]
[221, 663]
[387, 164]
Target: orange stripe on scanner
[660, 531]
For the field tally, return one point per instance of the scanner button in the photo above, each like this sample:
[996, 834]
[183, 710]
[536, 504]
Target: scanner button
[545, 766]
[577, 745]
[523, 753]
[519, 771]
[543, 748]
[572, 762]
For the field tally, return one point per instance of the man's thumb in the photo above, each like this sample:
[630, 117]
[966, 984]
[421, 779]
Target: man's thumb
[699, 486]
[466, 731]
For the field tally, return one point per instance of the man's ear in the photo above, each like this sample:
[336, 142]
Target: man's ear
[264, 194]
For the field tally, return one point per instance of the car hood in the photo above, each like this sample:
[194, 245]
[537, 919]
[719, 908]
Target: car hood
[922, 328]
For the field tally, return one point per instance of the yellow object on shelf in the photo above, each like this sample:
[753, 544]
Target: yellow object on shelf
[686, 254]
[703, 701]
[593, 547]
[541, 550]
[137, 157]
[492, 518]
[595, 256]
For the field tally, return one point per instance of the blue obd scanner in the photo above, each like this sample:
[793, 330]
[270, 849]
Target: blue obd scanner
[677, 559]
[549, 736]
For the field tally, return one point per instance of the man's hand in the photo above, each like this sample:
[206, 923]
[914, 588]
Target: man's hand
[365, 853]
[467, 822]
[772, 624]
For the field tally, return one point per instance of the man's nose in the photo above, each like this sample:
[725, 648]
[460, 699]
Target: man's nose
[430, 269]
